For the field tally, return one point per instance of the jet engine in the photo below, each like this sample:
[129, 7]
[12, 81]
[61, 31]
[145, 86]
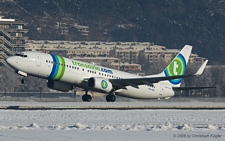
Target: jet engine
[100, 84]
[60, 86]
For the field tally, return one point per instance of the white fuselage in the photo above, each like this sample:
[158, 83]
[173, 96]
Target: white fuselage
[75, 72]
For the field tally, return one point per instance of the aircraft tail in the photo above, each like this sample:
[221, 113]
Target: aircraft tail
[177, 66]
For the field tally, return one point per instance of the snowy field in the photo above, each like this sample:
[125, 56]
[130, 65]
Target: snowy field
[107, 125]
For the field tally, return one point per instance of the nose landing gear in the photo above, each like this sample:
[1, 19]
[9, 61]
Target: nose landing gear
[24, 80]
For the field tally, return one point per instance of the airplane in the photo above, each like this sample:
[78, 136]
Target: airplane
[63, 74]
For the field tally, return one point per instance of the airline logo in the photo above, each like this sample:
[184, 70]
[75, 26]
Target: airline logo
[92, 67]
[176, 67]
[104, 84]
[58, 68]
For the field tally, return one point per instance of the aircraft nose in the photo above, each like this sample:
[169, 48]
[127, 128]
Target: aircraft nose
[10, 61]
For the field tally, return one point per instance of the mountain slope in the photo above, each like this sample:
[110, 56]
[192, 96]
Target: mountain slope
[171, 23]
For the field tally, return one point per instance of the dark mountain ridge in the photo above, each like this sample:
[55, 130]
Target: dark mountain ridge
[166, 22]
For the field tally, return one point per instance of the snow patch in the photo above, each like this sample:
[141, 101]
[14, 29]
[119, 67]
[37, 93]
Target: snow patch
[167, 126]
[185, 127]
[2, 127]
[34, 125]
[128, 127]
[80, 126]
[212, 127]
[108, 127]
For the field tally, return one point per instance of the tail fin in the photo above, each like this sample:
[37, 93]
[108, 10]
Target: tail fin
[177, 66]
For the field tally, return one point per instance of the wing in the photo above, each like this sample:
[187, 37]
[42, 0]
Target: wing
[134, 82]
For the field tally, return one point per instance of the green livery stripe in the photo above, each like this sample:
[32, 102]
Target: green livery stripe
[58, 68]
[61, 68]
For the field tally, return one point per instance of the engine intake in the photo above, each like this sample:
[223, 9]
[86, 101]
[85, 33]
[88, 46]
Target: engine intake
[60, 86]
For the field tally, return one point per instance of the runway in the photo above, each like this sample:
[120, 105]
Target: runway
[155, 104]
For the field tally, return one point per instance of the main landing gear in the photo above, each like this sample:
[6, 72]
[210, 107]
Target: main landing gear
[109, 98]
[86, 97]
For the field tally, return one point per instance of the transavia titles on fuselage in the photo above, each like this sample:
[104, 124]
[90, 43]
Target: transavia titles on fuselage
[64, 74]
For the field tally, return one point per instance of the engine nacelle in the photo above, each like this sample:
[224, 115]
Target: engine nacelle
[100, 84]
[60, 86]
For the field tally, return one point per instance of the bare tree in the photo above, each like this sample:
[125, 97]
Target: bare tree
[156, 67]
[11, 82]
[8, 80]
[34, 84]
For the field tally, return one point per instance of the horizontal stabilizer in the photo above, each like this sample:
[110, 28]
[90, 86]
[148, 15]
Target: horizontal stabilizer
[190, 88]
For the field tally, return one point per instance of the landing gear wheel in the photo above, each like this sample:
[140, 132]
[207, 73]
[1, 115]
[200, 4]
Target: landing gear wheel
[110, 98]
[86, 98]
[113, 98]
[23, 81]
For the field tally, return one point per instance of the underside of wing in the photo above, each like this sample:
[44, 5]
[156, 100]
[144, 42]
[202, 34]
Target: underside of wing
[134, 82]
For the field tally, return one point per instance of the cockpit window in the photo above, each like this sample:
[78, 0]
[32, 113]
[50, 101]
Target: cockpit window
[21, 55]
[17, 54]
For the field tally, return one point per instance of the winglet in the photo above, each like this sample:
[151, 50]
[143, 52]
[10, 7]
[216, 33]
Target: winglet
[201, 69]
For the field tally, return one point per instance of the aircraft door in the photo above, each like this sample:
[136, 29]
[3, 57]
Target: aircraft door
[38, 59]
[161, 90]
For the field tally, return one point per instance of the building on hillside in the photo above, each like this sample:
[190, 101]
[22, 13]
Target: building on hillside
[166, 55]
[84, 30]
[126, 66]
[88, 53]
[153, 55]
[129, 52]
[12, 37]
[60, 52]
[97, 59]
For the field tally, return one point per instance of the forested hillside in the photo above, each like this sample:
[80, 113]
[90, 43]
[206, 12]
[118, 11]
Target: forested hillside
[172, 23]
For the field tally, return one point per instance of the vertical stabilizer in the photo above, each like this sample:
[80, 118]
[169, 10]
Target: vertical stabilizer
[177, 66]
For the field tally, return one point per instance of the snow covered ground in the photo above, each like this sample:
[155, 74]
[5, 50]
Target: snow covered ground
[102, 125]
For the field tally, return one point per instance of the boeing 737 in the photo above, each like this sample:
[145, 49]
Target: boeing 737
[63, 74]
